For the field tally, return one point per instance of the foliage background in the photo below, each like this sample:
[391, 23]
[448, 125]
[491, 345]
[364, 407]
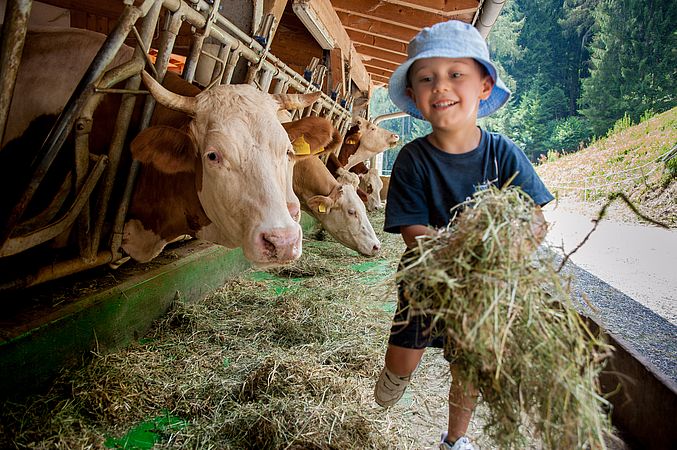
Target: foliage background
[575, 68]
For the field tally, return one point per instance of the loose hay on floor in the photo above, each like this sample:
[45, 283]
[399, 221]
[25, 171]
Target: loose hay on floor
[284, 359]
[511, 324]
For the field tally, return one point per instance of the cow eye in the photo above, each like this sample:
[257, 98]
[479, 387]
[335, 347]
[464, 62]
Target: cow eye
[352, 212]
[212, 156]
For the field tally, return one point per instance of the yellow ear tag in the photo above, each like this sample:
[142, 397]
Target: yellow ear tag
[351, 141]
[301, 147]
[319, 150]
[321, 208]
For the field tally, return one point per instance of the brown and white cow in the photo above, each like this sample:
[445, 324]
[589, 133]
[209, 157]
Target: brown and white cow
[335, 205]
[372, 184]
[236, 155]
[364, 140]
[224, 174]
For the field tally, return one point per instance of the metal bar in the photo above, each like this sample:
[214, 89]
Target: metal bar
[55, 271]
[220, 69]
[82, 93]
[20, 243]
[252, 50]
[193, 57]
[14, 29]
[147, 31]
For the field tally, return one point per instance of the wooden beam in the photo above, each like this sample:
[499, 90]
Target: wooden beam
[380, 72]
[379, 78]
[385, 65]
[378, 42]
[276, 8]
[324, 11]
[365, 25]
[105, 8]
[384, 55]
[436, 6]
[337, 72]
[403, 15]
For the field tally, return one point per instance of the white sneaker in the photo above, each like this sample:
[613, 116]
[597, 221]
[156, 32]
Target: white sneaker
[463, 443]
[389, 388]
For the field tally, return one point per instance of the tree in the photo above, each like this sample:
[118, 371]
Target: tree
[633, 61]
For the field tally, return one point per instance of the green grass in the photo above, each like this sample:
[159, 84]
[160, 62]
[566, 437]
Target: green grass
[626, 161]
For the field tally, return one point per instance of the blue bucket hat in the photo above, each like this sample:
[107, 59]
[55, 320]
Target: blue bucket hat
[451, 39]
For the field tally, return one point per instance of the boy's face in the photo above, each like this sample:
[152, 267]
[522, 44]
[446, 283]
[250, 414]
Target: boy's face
[447, 91]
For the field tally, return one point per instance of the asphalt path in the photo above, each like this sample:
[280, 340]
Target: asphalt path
[638, 260]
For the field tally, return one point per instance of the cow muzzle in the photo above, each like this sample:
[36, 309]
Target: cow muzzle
[277, 246]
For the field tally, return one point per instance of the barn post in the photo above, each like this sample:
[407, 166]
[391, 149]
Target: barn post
[13, 38]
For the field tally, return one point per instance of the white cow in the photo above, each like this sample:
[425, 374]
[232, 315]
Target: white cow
[372, 184]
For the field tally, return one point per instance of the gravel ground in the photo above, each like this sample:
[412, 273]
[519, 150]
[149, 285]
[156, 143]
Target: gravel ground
[627, 269]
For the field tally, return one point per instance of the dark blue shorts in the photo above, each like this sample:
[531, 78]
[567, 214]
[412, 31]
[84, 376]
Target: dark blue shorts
[412, 329]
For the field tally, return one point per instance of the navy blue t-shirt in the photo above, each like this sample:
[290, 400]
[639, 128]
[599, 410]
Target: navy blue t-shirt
[426, 182]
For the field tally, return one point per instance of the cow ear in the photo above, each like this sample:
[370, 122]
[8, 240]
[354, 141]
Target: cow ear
[295, 101]
[167, 149]
[320, 204]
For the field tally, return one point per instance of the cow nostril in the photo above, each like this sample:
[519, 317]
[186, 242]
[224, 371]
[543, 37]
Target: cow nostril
[376, 248]
[267, 244]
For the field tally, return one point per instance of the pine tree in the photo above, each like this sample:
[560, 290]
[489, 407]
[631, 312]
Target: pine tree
[634, 65]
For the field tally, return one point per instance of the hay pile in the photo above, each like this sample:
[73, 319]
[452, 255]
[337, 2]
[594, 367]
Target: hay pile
[509, 318]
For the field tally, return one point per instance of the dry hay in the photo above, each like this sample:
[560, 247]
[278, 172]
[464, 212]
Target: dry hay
[248, 367]
[511, 324]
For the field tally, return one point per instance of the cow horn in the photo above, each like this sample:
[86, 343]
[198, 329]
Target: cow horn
[295, 101]
[168, 98]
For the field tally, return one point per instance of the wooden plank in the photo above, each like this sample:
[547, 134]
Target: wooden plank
[404, 15]
[378, 71]
[436, 6]
[337, 74]
[365, 25]
[385, 65]
[294, 45]
[102, 8]
[324, 11]
[276, 8]
[378, 42]
[379, 80]
[384, 55]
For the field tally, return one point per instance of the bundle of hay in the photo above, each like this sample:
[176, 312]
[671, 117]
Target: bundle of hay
[510, 323]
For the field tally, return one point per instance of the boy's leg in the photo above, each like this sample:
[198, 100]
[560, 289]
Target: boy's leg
[462, 400]
[400, 363]
[403, 361]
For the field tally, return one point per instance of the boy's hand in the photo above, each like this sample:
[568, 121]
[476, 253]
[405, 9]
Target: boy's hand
[539, 227]
[410, 232]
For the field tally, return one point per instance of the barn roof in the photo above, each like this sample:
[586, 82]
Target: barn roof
[369, 37]
[381, 29]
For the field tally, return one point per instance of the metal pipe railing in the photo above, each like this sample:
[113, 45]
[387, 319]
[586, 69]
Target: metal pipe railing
[60, 130]
[14, 29]
[88, 94]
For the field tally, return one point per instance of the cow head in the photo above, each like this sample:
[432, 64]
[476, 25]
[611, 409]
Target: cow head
[240, 156]
[372, 184]
[373, 140]
[343, 215]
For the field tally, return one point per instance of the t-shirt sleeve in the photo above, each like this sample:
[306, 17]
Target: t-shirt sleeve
[514, 161]
[406, 202]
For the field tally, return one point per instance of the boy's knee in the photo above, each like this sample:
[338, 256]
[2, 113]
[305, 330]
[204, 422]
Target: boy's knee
[402, 360]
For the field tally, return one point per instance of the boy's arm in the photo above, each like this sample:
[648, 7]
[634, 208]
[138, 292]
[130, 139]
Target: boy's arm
[410, 232]
[539, 227]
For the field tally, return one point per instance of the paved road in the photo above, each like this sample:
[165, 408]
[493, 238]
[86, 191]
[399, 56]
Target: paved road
[638, 260]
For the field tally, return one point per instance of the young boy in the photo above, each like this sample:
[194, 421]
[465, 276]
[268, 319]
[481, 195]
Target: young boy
[450, 81]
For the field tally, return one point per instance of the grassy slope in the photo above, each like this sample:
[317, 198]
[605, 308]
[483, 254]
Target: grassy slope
[627, 162]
